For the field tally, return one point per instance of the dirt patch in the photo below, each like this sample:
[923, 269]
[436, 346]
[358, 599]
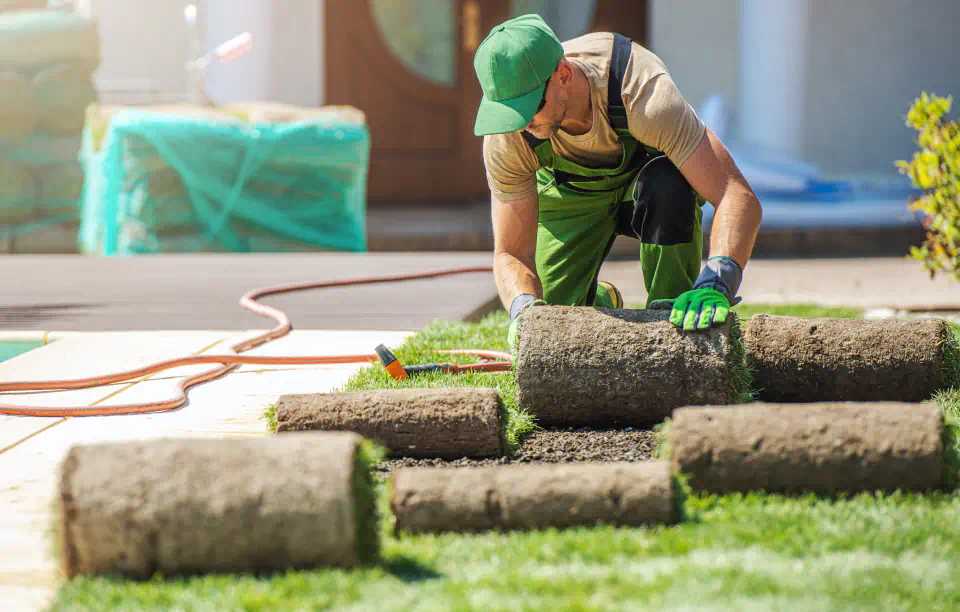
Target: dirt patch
[555, 445]
[604, 367]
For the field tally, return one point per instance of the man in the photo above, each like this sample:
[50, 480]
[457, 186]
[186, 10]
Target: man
[590, 139]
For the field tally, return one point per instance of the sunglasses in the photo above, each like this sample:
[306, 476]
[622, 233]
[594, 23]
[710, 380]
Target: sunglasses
[543, 100]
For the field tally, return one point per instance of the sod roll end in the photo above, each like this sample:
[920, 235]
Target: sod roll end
[441, 423]
[193, 506]
[798, 359]
[825, 448]
[600, 367]
[533, 497]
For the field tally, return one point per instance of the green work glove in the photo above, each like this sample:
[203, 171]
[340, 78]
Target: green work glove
[711, 298]
[700, 309]
[520, 303]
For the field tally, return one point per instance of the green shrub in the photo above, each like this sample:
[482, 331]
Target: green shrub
[935, 169]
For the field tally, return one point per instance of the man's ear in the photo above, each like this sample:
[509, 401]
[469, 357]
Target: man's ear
[564, 72]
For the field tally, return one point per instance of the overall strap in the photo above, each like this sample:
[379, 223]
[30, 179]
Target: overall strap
[583, 179]
[616, 111]
[540, 146]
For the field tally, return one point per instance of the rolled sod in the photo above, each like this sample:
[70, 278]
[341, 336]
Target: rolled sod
[426, 423]
[533, 497]
[817, 360]
[828, 447]
[189, 506]
[602, 367]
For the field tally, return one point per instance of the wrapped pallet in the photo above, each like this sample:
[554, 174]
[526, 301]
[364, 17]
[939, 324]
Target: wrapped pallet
[47, 61]
[22, 5]
[237, 179]
[32, 41]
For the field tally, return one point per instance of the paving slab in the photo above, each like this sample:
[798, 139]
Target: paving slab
[883, 282]
[230, 406]
[202, 291]
[80, 356]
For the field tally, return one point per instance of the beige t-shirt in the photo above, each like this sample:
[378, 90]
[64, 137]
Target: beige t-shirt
[657, 115]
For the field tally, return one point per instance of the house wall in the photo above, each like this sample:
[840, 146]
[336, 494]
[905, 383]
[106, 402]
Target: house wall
[864, 61]
[698, 41]
[868, 60]
[145, 46]
[287, 60]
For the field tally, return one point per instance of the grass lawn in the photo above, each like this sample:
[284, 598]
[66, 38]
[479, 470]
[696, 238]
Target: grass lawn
[734, 552]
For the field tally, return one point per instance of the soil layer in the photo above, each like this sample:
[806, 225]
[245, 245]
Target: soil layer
[533, 496]
[188, 506]
[606, 367]
[820, 360]
[442, 423]
[824, 448]
[555, 445]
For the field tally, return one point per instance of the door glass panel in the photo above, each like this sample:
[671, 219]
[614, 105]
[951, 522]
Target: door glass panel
[421, 34]
[567, 18]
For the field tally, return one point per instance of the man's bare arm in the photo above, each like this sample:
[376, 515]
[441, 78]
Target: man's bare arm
[515, 245]
[714, 175]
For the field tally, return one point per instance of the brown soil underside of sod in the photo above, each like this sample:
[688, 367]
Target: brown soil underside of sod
[605, 367]
[818, 360]
[136, 508]
[533, 496]
[824, 447]
[555, 445]
[447, 423]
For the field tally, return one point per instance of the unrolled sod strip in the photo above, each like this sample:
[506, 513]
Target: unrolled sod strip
[816, 360]
[533, 497]
[604, 367]
[829, 447]
[441, 423]
[186, 506]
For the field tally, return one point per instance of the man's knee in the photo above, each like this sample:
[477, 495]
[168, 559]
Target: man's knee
[664, 205]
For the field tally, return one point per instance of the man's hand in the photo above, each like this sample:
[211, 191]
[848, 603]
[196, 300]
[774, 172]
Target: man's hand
[700, 309]
[711, 298]
[520, 303]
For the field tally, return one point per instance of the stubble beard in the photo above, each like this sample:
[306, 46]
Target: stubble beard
[545, 132]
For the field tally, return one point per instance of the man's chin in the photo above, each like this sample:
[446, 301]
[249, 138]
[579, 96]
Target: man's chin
[544, 133]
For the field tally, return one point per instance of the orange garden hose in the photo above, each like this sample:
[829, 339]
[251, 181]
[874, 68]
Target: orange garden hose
[231, 361]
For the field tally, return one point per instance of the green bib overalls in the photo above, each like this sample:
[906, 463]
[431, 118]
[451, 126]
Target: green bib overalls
[582, 210]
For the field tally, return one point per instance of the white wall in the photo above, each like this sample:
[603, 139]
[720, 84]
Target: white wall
[698, 41]
[868, 60]
[859, 65]
[286, 63]
[145, 45]
[774, 38]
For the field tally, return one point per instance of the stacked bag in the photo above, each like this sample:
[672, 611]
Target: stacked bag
[253, 177]
[47, 61]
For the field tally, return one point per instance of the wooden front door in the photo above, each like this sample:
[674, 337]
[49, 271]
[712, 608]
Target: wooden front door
[408, 64]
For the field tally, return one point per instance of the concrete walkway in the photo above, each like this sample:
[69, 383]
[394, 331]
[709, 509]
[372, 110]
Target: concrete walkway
[202, 291]
[31, 449]
[893, 283]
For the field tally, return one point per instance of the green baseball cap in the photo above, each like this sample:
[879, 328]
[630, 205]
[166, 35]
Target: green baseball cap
[513, 64]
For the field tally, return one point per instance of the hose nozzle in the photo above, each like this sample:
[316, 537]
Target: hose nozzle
[390, 363]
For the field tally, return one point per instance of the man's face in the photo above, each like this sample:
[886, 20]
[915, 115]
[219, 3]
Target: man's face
[547, 121]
